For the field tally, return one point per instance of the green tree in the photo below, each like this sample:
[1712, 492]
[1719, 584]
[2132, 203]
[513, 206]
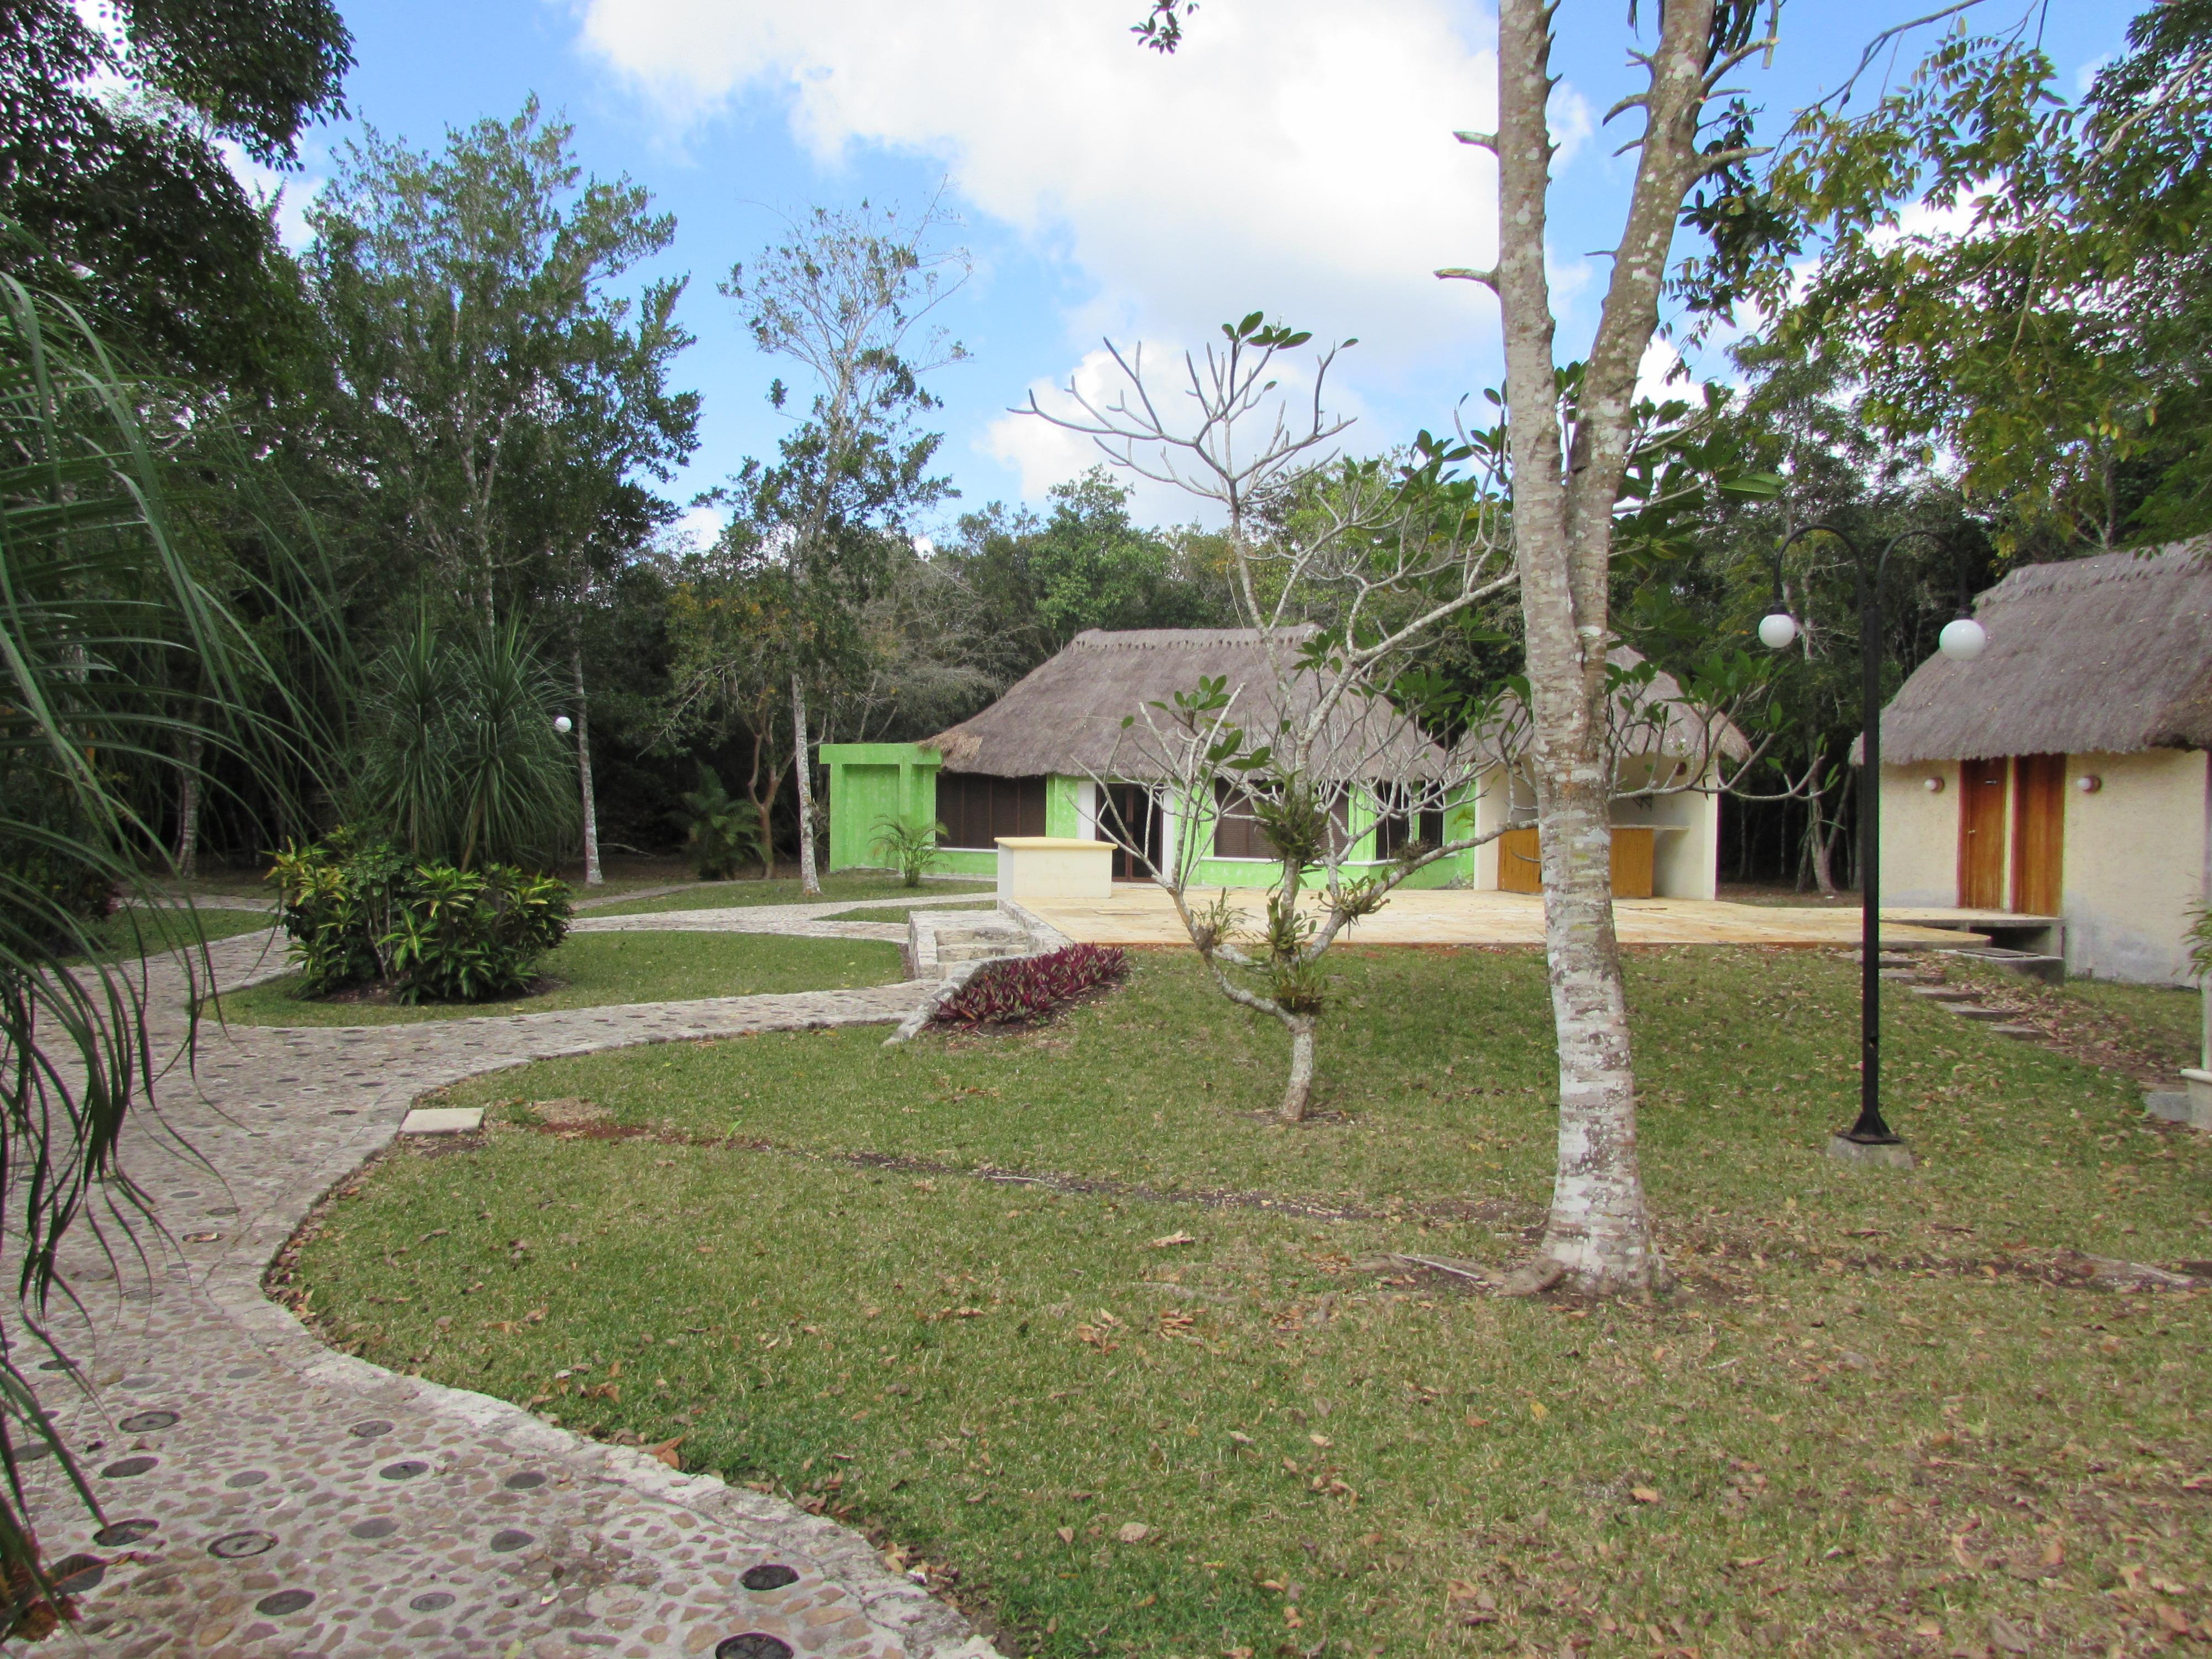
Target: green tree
[2055, 342]
[1041, 581]
[847, 299]
[494, 390]
[110, 120]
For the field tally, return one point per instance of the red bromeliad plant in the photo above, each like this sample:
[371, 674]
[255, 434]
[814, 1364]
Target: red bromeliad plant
[1029, 988]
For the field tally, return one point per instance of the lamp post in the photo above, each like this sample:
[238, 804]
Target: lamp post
[1870, 1139]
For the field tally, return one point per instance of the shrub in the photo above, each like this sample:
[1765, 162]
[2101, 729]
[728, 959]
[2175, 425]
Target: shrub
[1029, 988]
[359, 912]
[721, 833]
[912, 847]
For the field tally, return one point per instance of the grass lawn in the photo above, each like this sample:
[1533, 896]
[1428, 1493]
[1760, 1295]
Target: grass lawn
[719, 894]
[1157, 1407]
[592, 970]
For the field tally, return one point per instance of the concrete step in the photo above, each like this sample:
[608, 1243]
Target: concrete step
[2025, 1033]
[2028, 964]
[1974, 1011]
[1943, 993]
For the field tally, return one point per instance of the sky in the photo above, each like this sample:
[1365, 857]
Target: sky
[1295, 157]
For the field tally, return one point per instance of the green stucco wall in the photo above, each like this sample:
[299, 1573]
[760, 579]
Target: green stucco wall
[868, 783]
[871, 781]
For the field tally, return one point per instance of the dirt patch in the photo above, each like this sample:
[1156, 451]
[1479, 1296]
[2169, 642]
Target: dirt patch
[569, 1112]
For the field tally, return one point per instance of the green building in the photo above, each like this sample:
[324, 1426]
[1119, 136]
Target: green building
[1053, 754]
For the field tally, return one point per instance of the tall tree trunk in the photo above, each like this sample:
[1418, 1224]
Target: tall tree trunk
[188, 807]
[592, 875]
[1598, 1237]
[810, 884]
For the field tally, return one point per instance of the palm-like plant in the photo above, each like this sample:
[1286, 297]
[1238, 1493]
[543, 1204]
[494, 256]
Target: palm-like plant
[719, 832]
[456, 759]
[912, 847]
[101, 614]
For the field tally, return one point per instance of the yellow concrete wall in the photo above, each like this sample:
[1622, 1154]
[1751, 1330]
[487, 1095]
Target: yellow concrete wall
[1055, 867]
[1920, 835]
[2137, 859]
[2136, 863]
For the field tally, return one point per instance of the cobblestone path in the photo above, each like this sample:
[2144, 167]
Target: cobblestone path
[268, 1497]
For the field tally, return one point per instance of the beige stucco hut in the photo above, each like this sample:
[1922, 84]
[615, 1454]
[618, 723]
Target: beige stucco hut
[2062, 772]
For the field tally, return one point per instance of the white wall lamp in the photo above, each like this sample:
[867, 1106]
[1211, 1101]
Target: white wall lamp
[2088, 783]
[1933, 786]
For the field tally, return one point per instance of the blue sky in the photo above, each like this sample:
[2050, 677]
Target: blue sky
[1296, 157]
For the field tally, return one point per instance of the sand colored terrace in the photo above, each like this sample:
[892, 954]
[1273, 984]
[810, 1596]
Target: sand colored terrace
[1140, 914]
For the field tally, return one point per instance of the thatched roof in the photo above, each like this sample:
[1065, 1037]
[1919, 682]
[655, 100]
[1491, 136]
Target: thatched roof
[1654, 718]
[1064, 716]
[2104, 655]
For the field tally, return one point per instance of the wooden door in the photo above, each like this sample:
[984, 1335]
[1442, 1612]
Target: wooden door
[1982, 792]
[1632, 861]
[1519, 868]
[2039, 833]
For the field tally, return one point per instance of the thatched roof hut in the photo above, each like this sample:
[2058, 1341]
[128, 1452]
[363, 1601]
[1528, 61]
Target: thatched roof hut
[1064, 716]
[2104, 655]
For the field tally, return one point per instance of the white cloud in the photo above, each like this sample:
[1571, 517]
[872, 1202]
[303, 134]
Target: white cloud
[1295, 155]
[696, 528]
[293, 192]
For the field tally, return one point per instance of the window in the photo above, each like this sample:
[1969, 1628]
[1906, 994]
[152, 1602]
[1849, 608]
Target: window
[977, 810]
[1397, 823]
[1235, 836]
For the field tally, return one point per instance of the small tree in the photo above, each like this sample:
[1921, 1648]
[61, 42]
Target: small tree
[912, 847]
[1389, 556]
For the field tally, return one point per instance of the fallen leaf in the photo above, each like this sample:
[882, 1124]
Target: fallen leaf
[1321, 1440]
[1537, 1411]
[2172, 1617]
[1067, 1535]
[1643, 1494]
[535, 1316]
[1474, 1420]
[2054, 1553]
[1929, 1628]
[2008, 1637]
[666, 1452]
[1169, 1241]
[1133, 1531]
[1240, 1437]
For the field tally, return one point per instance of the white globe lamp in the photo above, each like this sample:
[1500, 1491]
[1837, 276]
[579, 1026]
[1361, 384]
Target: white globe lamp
[563, 725]
[1962, 640]
[1777, 631]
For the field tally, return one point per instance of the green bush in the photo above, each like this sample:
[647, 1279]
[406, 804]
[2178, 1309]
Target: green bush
[912, 847]
[360, 912]
[721, 832]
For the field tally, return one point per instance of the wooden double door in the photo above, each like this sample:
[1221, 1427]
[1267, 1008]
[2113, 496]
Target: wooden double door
[2024, 794]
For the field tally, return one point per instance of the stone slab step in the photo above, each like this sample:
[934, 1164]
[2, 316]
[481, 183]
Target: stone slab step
[1943, 993]
[2025, 1033]
[1975, 1011]
[442, 1120]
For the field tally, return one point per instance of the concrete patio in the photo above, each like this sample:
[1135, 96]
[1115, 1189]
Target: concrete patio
[1138, 913]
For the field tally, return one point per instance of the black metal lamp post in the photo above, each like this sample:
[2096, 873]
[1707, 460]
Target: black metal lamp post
[1871, 1138]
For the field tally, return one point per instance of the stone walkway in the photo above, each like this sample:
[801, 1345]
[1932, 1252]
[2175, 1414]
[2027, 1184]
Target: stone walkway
[268, 1497]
